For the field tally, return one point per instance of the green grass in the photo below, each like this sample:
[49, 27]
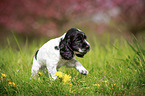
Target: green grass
[118, 68]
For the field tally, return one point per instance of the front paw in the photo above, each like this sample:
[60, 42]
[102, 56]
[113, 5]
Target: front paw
[52, 77]
[83, 71]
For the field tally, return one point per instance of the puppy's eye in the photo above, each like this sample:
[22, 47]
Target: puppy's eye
[78, 38]
[85, 37]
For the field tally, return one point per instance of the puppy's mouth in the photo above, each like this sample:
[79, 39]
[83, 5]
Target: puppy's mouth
[81, 53]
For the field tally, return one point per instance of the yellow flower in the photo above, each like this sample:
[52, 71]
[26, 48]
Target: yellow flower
[39, 79]
[39, 73]
[114, 84]
[98, 85]
[70, 84]
[1, 78]
[66, 78]
[59, 74]
[11, 84]
[3, 75]
[104, 81]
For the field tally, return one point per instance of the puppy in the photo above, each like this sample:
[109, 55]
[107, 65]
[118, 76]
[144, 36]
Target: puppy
[60, 52]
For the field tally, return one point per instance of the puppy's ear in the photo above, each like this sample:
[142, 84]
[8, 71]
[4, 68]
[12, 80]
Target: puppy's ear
[65, 50]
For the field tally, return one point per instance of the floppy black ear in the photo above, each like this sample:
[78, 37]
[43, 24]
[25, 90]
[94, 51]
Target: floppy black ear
[65, 50]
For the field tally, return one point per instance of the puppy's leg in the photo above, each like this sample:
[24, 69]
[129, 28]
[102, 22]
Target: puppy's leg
[76, 64]
[81, 69]
[52, 70]
[35, 67]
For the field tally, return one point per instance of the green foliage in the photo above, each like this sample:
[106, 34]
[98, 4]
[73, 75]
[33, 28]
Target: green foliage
[115, 68]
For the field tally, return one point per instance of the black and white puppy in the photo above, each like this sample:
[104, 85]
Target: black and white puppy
[60, 52]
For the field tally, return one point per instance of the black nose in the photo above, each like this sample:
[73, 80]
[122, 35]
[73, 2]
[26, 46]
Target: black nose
[86, 46]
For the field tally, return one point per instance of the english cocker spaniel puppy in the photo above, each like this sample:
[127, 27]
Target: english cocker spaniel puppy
[60, 52]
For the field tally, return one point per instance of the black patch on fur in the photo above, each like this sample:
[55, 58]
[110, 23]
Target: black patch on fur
[56, 48]
[65, 51]
[36, 54]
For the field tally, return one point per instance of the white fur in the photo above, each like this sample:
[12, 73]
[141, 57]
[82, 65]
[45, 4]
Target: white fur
[50, 57]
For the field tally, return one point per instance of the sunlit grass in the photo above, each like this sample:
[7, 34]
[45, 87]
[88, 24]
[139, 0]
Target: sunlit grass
[115, 68]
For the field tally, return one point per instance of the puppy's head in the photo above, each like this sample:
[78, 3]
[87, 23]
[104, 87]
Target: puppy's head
[74, 43]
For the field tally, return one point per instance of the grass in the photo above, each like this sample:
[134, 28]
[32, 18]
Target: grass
[115, 68]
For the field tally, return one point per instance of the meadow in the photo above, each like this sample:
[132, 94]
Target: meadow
[116, 67]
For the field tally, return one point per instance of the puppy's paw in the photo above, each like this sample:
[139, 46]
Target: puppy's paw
[52, 77]
[82, 70]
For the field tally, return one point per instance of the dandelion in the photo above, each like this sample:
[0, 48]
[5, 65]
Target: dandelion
[114, 84]
[59, 74]
[39, 73]
[1, 78]
[39, 79]
[66, 78]
[98, 85]
[3, 75]
[104, 81]
[12, 84]
[70, 84]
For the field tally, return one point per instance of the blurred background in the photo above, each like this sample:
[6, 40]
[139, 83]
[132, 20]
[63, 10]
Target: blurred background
[35, 19]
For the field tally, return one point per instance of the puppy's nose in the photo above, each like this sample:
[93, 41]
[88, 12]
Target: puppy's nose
[86, 46]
